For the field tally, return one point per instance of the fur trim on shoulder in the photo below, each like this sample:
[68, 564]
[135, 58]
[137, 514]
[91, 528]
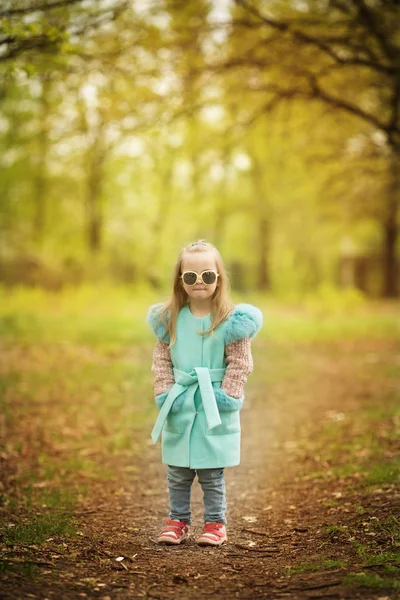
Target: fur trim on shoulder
[153, 319]
[245, 321]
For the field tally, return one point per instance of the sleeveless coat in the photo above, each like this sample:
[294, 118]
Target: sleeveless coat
[199, 436]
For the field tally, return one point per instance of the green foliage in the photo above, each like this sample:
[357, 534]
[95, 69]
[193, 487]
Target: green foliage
[330, 299]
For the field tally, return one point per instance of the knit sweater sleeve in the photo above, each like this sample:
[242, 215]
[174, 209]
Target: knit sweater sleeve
[162, 368]
[239, 364]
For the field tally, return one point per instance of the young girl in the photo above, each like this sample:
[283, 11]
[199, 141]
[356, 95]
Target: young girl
[201, 361]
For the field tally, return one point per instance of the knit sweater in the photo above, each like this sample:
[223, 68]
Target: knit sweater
[239, 364]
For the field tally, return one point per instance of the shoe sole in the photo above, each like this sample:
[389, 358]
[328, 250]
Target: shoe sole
[208, 542]
[171, 542]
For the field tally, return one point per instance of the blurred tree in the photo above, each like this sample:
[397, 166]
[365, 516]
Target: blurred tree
[128, 129]
[40, 158]
[344, 54]
[188, 57]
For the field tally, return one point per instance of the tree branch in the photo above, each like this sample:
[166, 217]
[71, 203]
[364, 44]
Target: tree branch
[323, 42]
[372, 23]
[17, 46]
[11, 12]
[348, 107]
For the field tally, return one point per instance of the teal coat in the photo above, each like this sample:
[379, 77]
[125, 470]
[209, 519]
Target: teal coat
[199, 435]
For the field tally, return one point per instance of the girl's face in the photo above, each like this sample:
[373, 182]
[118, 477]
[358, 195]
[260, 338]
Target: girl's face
[199, 262]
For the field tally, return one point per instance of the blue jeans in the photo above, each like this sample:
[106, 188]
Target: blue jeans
[212, 481]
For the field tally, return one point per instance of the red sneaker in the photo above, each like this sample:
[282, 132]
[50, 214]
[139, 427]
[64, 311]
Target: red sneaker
[175, 532]
[214, 534]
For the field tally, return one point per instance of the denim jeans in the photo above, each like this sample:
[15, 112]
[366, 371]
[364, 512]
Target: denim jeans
[212, 481]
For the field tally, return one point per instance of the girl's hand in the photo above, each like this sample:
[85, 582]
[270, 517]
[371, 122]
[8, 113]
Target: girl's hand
[176, 405]
[226, 403]
[160, 399]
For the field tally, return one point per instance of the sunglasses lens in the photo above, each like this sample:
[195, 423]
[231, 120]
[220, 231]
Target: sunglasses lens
[190, 278]
[209, 277]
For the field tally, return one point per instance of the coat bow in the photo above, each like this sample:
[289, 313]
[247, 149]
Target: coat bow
[201, 377]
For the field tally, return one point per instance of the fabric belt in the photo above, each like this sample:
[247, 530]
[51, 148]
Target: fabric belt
[201, 377]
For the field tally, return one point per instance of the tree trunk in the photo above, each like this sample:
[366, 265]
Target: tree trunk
[94, 217]
[263, 229]
[223, 206]
[264, 282]
[164, 169]
[391, 231]
[40, 176]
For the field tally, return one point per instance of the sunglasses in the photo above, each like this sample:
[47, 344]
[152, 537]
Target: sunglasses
[207, 277]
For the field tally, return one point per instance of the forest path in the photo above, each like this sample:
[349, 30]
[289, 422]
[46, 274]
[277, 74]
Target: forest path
[313, 512]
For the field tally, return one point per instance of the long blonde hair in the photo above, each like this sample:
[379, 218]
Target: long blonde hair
[222, 305]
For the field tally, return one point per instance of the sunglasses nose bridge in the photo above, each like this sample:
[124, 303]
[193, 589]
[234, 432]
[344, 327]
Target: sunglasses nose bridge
[198, 278]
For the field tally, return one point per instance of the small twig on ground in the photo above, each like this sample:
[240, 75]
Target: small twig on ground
[257, 549]
[256, 532]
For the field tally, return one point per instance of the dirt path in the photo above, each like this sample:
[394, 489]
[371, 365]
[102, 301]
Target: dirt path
[296, 528]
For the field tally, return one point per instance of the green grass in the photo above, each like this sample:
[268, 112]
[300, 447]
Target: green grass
[39, 528]
[85, 403]
[384, 557]
[317, 565]
[370, 580]
[76, 390]
[110, 316]
[311, 327]
[362, 550]
[25, 570]
[100, 316]
[390, 528]
[359, 510]
[55, 521]
[387, 472]
[360, 445]
[333, 529]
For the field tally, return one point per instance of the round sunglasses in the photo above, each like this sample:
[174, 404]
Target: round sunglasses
[207, 277]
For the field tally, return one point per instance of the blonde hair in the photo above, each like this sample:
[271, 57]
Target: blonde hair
[222, 305]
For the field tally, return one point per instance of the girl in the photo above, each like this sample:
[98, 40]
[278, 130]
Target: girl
[201, 361]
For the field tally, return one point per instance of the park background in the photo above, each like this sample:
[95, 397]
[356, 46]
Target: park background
[127, 130]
